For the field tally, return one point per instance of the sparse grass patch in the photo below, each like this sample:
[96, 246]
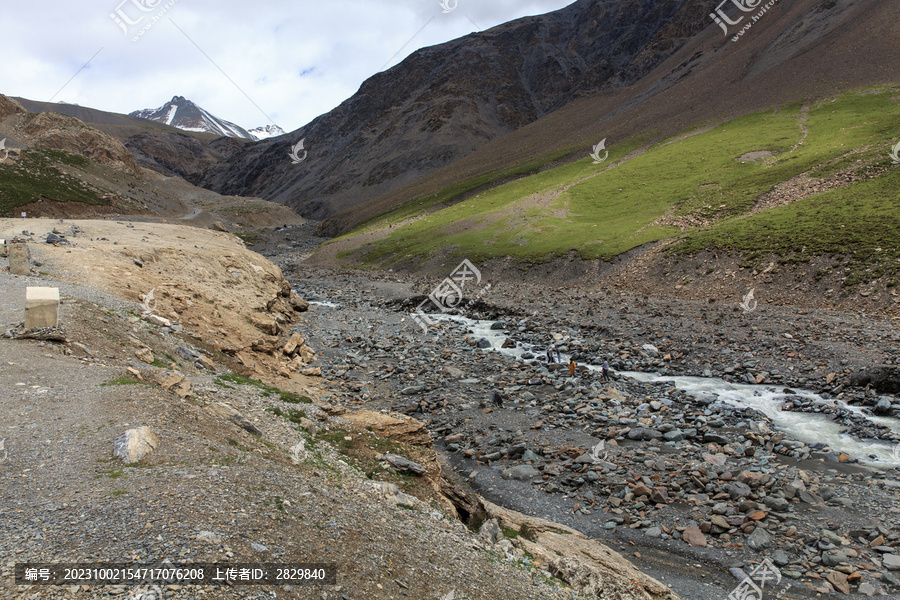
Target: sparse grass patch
[113, 473]
[292, 415]
[122, 381]
[267, 390]
[249, 237]
[237, 444]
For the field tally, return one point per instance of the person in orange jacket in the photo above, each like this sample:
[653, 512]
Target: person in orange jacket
[572, 367]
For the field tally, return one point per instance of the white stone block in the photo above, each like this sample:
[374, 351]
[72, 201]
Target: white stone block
[19, 259]
[41, 307]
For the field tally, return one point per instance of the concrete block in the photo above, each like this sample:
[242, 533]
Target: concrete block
[19, 259]
[41, 307]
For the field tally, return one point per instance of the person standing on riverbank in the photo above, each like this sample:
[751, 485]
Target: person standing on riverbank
[573, 368]
[605, 369]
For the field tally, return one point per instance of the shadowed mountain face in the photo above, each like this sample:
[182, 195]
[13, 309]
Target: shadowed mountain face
[446, 101]
[788, 52]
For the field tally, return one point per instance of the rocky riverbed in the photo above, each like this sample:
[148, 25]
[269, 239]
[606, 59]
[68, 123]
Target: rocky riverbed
[693, 487]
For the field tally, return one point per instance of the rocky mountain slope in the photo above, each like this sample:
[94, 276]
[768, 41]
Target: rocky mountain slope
[156, 146]
[56, 165]
[54, 131]
[803, 50]
[444, 102]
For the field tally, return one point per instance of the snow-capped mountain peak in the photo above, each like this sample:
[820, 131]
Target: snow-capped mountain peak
[182, 113]
[269, 131]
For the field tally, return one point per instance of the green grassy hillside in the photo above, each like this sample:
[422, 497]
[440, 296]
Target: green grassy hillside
[601, 211]
[39, 174]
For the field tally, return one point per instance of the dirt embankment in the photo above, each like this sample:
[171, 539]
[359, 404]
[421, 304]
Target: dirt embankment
[229, 299]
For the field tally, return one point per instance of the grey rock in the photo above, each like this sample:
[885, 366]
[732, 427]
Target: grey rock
[780, 558]
[885, 379]
[404, 464]
[833, 558]
[642, 433]
[809, 498]
[777, 504]
[413, 389]
[453, 372]
[737, 490]
[676, 435]
[520, 472]
[759, 539]
[490, 532]
[529, 456]
[891, 562]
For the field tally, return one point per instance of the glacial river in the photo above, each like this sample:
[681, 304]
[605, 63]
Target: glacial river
[806, 427]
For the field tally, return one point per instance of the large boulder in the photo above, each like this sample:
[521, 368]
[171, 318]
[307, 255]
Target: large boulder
[135, 444]
[175, 382]
[398, 428]
[585, 564]
[231, 414]
[884, 379]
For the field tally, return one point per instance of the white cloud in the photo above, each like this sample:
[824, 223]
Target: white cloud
[293, 60]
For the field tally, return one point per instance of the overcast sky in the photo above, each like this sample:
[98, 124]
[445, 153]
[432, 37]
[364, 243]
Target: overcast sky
[243, 61]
